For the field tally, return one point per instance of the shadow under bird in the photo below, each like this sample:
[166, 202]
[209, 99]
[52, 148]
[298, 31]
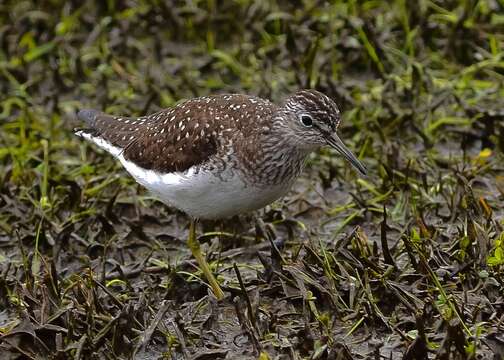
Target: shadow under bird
[217, 156]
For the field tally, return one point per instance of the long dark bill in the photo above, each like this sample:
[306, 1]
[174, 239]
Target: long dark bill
[335, 142]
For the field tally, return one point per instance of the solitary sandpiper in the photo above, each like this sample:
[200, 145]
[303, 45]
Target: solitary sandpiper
[216, 156]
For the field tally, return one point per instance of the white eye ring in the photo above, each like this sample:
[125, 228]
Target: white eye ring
[306, 120]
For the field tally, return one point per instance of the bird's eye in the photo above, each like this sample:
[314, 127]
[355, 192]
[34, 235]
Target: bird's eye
[306, 120]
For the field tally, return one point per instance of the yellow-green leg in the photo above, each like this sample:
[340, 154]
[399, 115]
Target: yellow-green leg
[194, 245]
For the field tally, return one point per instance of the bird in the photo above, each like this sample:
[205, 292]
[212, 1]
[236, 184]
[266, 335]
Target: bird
[217, 156]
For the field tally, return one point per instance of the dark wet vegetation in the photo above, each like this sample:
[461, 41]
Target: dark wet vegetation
[406, 263]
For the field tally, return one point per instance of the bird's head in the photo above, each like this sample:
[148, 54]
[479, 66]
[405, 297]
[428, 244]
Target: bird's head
[313, 122]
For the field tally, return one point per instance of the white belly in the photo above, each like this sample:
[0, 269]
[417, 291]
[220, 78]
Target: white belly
[203, 195]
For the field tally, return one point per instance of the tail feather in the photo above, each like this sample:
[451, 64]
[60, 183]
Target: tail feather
[88, 116]
[111, 133]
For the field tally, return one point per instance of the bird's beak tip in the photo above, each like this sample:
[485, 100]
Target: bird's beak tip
[362, 170]
[336, 143]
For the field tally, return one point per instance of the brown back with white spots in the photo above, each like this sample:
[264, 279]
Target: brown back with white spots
[185, 135]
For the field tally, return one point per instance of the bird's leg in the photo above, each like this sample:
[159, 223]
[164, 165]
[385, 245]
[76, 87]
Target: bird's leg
[194, 245]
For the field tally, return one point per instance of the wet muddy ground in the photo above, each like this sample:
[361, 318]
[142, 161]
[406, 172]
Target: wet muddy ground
[407, 263]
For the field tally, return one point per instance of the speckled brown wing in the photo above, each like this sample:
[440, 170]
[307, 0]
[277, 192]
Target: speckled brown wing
[165, 141]
[192, 132]
[172, 140]
[114, 130]
[183, 136]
